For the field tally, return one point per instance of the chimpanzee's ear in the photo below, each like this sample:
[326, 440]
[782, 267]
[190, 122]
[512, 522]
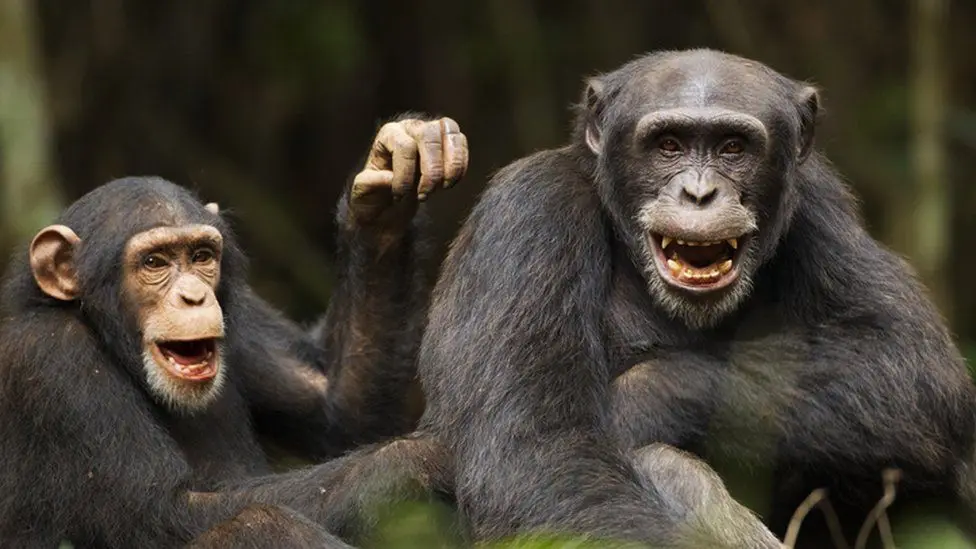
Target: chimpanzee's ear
[809, 104]
[52, 260]
[593, 102]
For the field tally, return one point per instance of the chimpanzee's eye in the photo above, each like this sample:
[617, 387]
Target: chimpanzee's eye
[733, 147]
[203, 255]
[155, 261]
[669, 145]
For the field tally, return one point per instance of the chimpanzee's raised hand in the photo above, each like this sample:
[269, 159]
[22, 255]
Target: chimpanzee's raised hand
[409, 160]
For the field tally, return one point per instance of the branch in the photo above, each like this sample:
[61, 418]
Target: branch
[817, 498]
[878, 514]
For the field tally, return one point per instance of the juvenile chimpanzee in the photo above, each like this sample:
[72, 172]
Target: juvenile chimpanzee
[687, 270]
[137, 368]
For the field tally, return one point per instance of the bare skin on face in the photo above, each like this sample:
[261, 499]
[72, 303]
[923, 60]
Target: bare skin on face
[170, 276]
[169, 279]
[697, 225]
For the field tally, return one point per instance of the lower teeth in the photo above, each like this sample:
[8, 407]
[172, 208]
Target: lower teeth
[189, 368]
[678, 270]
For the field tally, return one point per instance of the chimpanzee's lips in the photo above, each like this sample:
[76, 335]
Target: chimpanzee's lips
[697, 265]
[192, 360]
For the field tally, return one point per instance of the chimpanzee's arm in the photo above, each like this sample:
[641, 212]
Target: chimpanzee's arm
[349, 383]
[879, 378]
[355, 380]
[260, 525]
[852, 372]
[514, 366]
[86, 459]
[83, 457]
[351, 495]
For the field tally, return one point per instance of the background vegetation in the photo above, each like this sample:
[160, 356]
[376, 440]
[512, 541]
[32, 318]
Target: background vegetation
[266, 107]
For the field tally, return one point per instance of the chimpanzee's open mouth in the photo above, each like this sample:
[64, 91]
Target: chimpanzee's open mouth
[700, 266]
[192, 360]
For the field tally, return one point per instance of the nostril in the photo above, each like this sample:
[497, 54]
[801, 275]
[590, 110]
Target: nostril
[193, 300]
[699, 193]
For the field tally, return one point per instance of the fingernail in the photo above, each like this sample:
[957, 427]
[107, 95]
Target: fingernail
[448, 183]
[422, 196]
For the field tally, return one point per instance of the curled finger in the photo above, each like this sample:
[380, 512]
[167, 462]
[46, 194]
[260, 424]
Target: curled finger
[404, 160]
[428, 138]
[455, 151]
[369, 182]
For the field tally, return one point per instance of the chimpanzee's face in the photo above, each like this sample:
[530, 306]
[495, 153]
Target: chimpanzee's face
[691, 162]
[170, 275]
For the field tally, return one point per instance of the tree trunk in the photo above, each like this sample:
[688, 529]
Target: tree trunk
[930, 238]
[28, 196]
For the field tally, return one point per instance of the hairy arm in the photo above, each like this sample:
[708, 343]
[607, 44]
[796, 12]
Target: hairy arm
[85, 458]
[82, 456]
[877, 363]
[514, 366]
[846, 368]
[350, 381]
[355, 381]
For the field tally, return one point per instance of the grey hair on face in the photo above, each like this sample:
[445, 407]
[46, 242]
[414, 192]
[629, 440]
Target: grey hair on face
[697, 312]
[180, 396]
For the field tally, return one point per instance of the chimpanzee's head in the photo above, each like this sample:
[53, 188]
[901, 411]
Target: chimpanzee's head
[147, 266]
[698, 154]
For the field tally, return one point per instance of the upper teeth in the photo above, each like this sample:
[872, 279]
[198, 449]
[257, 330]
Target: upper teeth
[666, 240]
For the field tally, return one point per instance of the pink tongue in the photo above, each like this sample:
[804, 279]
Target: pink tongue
[186, 353]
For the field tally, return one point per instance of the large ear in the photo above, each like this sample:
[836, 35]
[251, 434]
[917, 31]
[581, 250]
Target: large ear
[809, 102]
[593, 105]
[52, 260]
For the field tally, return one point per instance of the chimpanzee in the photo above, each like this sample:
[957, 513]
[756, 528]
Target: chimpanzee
[257, 525]
[687, 270]
[137, 367]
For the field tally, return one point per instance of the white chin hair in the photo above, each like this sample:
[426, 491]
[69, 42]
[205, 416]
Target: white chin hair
[182, 396]
[696, 314]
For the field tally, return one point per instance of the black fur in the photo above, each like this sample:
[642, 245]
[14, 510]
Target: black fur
[89, 455]
[550, 354]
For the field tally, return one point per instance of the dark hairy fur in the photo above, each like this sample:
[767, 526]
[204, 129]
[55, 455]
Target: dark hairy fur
[89, 455]
[825, 364]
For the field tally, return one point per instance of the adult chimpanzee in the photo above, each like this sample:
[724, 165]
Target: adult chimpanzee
[687, 270]
[137, 368]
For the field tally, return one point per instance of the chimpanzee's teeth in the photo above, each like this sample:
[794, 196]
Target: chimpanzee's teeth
[685, 272]
[190, 368]
[667, 240]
